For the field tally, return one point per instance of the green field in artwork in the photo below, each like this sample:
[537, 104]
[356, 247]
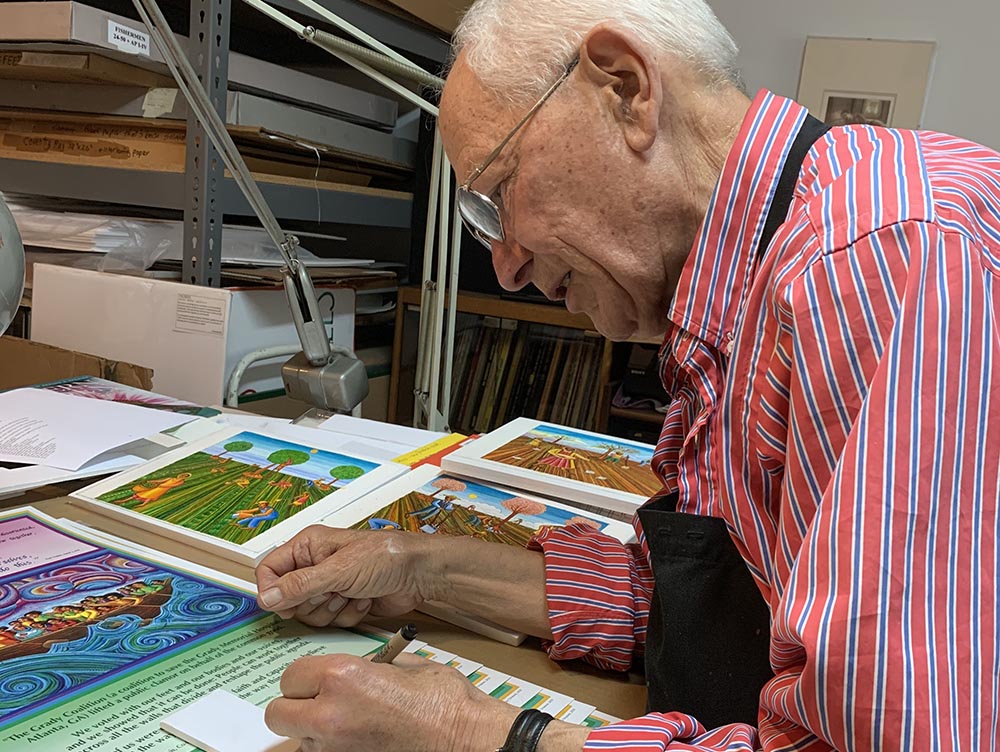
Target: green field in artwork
[240, 488]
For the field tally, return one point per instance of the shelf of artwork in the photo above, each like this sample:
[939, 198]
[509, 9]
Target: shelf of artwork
[289, 198]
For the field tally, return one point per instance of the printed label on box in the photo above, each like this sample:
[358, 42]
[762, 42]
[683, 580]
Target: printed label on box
[158, 102]
[127, 39]
[200, 314]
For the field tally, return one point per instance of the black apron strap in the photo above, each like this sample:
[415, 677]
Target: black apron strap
[708, 640]
[811, 131]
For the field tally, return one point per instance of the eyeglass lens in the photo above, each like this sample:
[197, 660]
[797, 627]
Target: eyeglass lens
[481, 216]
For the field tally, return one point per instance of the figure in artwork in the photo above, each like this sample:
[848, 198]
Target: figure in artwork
[429, 514]
[305, 497]
[254, 518]
[147, 494]
[561, 458]
[474, 519]
[377, 523]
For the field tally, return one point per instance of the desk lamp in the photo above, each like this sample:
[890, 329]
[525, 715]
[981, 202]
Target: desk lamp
[323, 376]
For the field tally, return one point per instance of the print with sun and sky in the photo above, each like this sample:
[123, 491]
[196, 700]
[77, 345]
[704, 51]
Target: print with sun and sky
[597, 460]
[457, 506]
[240, 487]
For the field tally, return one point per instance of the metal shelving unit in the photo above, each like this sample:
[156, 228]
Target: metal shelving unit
[203, 193]
[165, 190]
[207, 194]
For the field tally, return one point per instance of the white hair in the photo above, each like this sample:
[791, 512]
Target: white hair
[518, 48]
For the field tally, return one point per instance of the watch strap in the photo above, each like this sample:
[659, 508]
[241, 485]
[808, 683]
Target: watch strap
[526, 731]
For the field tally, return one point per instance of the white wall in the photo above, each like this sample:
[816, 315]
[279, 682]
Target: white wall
[963, 97]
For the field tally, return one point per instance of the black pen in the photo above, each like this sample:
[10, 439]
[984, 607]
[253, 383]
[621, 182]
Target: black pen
[397, 643]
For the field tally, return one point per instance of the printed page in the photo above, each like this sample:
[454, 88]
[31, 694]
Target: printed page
[42, 427]
[99, 641]
[102, 389]
[403, 438]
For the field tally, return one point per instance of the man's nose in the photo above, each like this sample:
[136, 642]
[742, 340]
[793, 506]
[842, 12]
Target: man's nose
[512, 264]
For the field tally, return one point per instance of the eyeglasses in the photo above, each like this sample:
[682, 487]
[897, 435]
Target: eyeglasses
[480, 214]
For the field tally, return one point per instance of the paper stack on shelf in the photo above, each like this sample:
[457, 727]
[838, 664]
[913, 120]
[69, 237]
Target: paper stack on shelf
[131, 243]
[72, 63]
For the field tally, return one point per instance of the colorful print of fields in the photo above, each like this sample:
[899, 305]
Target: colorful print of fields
[240, 488]
[565, 453]
[453, 506]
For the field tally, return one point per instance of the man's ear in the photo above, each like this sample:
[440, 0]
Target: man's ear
[629, 82]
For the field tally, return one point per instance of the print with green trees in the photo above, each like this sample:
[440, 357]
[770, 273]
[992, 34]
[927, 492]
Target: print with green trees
[240, 488]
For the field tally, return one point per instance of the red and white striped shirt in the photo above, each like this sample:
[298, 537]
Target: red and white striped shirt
[838, 403]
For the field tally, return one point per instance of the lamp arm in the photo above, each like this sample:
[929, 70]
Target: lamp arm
[349, 54]
[298, 285]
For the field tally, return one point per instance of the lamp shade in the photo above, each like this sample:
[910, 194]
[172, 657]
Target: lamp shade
[11, 267]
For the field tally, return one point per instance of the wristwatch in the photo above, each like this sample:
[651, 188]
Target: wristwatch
[526, 731]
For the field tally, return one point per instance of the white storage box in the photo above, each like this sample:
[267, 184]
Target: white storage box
[192, 337]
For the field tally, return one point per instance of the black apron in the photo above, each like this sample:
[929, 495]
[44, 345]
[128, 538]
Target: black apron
[709, 626]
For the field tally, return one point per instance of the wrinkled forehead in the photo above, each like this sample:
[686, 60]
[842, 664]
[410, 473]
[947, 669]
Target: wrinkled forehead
[472, 120]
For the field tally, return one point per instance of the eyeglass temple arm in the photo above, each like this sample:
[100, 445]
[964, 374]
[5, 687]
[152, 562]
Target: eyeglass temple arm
[499, 148]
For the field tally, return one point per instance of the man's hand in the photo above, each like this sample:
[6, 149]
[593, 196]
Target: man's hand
[327, 576]
[339, 702]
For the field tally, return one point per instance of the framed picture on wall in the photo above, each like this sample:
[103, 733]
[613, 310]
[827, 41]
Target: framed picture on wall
[868, 81]
[850, 107]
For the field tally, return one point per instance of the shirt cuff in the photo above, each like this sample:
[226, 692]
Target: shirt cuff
[671, 731]
[598, 591]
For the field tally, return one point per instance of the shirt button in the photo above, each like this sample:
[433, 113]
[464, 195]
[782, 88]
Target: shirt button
[731, 345]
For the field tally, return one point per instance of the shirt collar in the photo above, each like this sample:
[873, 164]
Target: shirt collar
[718, 272]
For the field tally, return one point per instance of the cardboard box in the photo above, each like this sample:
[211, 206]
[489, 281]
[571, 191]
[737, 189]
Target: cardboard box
[63, 25]
[24, 363]
[138, 144]
[159, 144]
[75, 67]
[441, 14]
[192, 337]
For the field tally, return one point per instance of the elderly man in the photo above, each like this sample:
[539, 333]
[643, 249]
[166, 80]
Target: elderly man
[831, 349]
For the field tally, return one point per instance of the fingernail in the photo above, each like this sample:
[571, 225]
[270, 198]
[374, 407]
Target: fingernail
[271, 597]
[318, 599]
[336, 603]
[363, 605]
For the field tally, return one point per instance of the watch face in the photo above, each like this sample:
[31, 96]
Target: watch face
[11, 267]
